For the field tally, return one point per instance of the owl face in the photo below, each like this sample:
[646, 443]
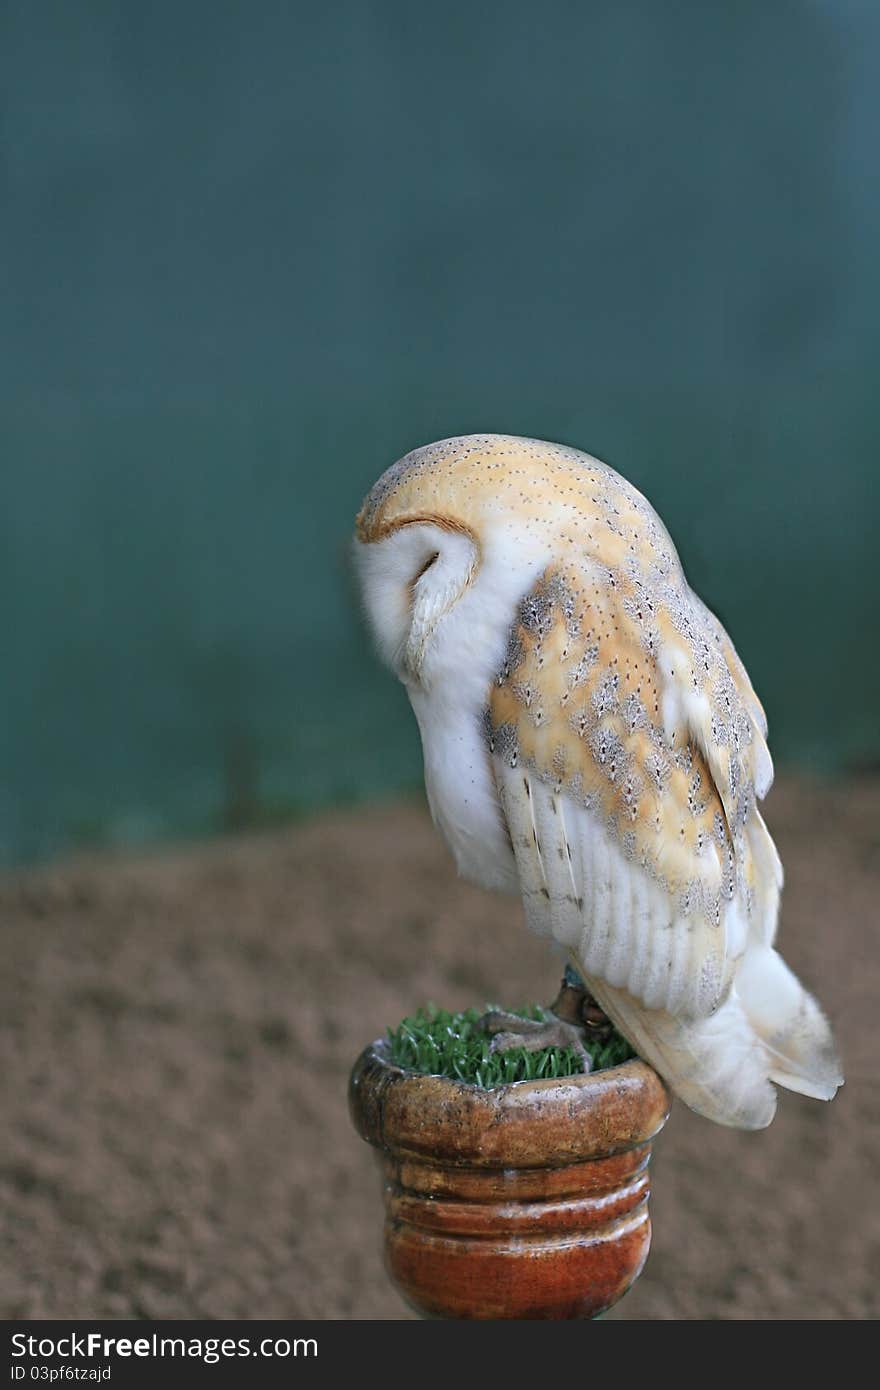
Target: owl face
[411, 578]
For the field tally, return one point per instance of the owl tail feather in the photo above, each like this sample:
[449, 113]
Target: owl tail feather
[768, 1029]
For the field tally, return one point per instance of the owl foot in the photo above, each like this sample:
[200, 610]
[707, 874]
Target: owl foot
[573, 1016]
[512, 1031]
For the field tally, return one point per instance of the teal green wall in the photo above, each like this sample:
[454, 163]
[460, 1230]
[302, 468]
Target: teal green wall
[252, 253]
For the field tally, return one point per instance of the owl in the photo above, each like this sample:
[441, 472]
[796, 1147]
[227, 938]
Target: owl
[592, 742]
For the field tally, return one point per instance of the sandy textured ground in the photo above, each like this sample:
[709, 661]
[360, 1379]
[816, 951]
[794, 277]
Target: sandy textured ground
[178, 1029]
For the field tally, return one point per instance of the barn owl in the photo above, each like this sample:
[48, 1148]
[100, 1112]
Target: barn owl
[593, 743]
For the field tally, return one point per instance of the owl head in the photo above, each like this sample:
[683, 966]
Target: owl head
[447, 542]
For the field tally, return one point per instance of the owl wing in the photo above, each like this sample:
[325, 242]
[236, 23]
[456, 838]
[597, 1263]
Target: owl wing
[626, 745]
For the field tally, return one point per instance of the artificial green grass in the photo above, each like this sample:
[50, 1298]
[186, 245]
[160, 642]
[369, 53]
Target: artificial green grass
[440, 1043]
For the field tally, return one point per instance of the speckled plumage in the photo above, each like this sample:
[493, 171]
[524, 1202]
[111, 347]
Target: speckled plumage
[623, 752]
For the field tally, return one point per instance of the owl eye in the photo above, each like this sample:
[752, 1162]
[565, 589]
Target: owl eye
[426, 566]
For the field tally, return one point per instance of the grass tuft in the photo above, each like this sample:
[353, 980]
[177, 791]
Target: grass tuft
[440, 1043]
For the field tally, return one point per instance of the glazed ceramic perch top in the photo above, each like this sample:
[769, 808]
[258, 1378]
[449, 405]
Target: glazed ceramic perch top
[592, 742]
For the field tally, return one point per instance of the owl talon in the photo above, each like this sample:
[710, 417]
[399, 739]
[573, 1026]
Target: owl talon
[534, 1034]
[498, 1021]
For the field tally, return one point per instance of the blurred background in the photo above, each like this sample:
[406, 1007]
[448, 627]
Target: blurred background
[255, 253]
[252, 253]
